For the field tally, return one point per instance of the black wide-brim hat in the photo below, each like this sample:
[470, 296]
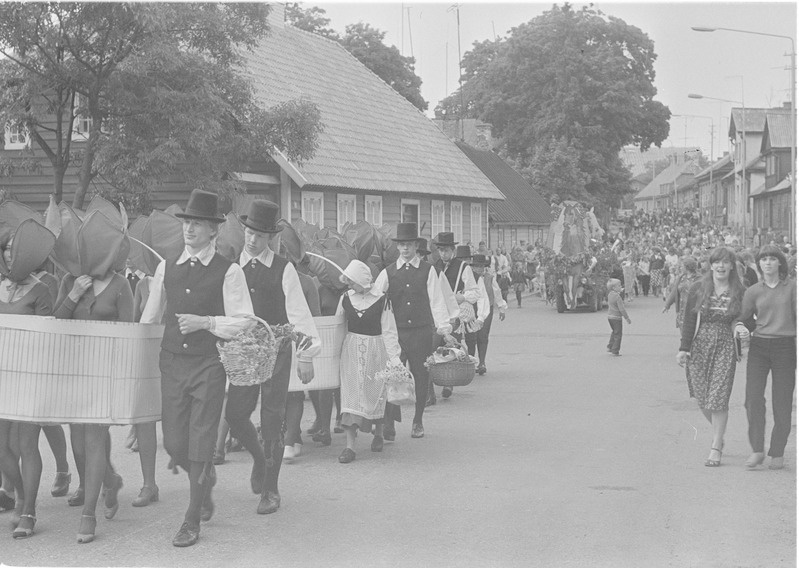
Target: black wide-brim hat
[445, 239]
[262, 216]
[406, 232]
[480, 260]
[422, 250]
[202, 205]
[463, 251]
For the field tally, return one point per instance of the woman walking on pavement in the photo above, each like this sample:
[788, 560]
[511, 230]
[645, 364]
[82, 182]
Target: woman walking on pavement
[773, 348]
[707, 348]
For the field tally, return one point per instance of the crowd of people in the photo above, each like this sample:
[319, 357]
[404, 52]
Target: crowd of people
[397, 318]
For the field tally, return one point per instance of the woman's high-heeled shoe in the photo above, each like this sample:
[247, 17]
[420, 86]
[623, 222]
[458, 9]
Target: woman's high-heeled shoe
[77, 498]
[25, 527]
[111, 501]
[713, 463]
[88, 524]
[146, 496]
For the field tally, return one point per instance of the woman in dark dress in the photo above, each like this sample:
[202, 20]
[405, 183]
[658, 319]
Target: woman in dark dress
[23, 294]
[100, 299]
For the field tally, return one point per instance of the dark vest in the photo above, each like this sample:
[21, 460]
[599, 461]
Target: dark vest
[452, 273]
[489, 290]
[366, 322]
[407, 292]
[266, 289]
[197, 291]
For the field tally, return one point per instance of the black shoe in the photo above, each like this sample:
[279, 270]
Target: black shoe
[418, 431]
[481, 370]
[338, 429]
[389, 435]
[377, 444]
[315, 428]
[7, 502]
[446, 392]
[77, 498]
[270, 503]
[188, 535]
[346, 456]
[61, 484]
[323, 437]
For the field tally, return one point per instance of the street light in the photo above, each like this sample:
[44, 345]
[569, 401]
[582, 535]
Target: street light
[743, 147]
[793, 103]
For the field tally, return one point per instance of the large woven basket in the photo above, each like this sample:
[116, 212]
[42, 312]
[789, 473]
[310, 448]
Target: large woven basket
[249, 358]
[452, 373]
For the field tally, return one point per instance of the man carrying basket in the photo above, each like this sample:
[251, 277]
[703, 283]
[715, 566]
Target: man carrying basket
[278, 299]
[201, 296]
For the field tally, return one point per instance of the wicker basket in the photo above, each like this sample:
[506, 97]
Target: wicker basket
[452, 374]
[249, 358]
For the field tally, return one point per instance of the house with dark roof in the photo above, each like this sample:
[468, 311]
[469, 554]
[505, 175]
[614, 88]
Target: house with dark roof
[712, 195]
[524, 214]
[771, 200]
[378, 158]
[662, 192]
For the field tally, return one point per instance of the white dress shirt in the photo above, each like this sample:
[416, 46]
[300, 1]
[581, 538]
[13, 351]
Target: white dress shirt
[235, 294]
[484, 305]
[388, 326]
[438, 304]
[297, 310]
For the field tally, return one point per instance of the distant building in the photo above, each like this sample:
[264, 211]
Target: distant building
[643, 162]
[771, 200]
[474, 132]
[712, 197]
[663, 191]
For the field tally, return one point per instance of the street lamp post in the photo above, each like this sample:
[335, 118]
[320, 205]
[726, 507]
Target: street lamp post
[742, 148]
[793, 106]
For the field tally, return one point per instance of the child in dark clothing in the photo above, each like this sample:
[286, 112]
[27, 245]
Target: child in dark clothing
[616, 311]
[518, 278]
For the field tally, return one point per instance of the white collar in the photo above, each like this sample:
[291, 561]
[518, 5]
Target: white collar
[413, 262]
[266, 257]
[204, 256]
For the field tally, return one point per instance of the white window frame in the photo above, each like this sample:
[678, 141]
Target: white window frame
[403, 203]
[373, 210]
[13, 135]
[438, 225]
[309, 214]
[456, 228]
[81, 125]
[345, 209]
[476, 212]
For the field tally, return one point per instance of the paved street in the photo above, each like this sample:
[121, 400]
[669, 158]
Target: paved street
[562, 455]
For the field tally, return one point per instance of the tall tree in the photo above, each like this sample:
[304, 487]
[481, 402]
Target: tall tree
[160, 86]
[570, 84]
[311, 20]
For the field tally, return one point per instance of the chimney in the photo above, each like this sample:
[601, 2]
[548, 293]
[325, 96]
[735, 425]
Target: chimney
[277, 15]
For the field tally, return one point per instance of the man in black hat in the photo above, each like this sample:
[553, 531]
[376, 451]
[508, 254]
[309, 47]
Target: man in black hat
[201, 296]
[277, 298]
[452, 265]
[490, 297]
[413, 288]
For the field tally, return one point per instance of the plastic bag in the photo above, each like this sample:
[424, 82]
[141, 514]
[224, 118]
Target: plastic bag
[400, 387]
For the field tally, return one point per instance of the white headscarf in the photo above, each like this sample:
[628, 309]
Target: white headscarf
[359, 273]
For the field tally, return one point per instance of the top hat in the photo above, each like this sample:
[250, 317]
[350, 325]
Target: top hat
[445, 240]
[422, 250]
[202, 205]
[463, 251]
[480, 260]
[406, 232]
[262, 217]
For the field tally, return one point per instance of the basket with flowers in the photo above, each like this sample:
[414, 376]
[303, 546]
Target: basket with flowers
[400, 388]
[451, 365]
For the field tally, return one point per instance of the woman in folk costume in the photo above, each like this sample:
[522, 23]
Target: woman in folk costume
[370, 344]
[101, 295]
[23, 294]
[277, 298]
[201, 296]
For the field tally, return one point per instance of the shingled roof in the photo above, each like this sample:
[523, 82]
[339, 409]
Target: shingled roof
[523, 204]
[777, 133]
[373, 139]
[668, 175]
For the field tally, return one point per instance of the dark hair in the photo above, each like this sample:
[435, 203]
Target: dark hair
[706, 286]
[690, 264]
[776, 252]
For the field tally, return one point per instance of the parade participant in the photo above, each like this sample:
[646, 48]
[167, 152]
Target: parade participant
[108, 298]
[707, 348]
[491, 297]
[202, 297]
[679, 291]
[643, 273]
[23, 294]
[420, 310]
[518, 282]
[371, 329]
[455, 273]
[772, 348]
[616, 311]
[277, 298]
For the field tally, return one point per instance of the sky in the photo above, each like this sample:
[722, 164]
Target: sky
[725, 65]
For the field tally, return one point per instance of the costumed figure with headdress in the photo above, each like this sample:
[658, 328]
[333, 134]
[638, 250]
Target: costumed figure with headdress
[201, 296]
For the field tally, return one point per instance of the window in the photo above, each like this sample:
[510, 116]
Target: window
[16, 137]
[345, 207]
[456, 220]
[512, 238]
[477, 223]
[409, 209]
[374, 210]
[82, 123]
[437, 215]
[501, 237]
[313, 208]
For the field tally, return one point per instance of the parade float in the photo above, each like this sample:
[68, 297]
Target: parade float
[573, 276]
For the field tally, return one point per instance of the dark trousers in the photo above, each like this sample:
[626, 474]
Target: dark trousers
[779, 357]
[479, 339]
[295, 405]
[616, 327]
[644, 280]
[416, 344]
